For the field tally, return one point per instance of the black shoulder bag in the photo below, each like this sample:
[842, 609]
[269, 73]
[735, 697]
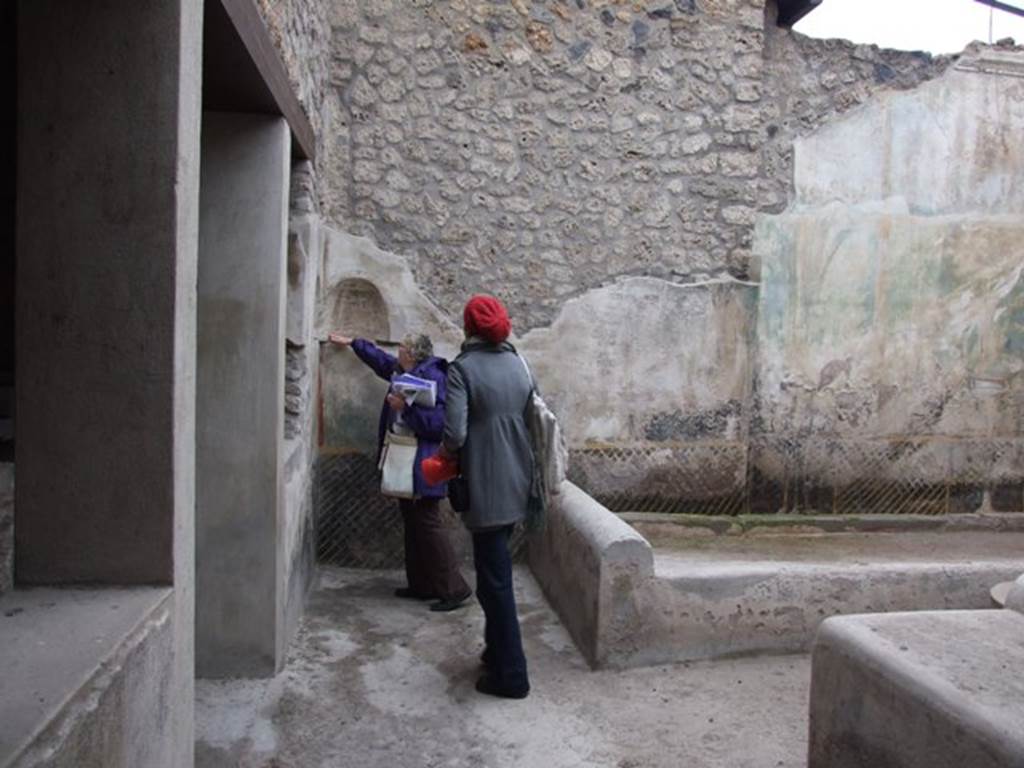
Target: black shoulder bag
[458, 488]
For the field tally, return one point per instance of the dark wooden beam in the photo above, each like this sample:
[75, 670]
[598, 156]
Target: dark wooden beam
[1003, 6]
[791, 11]
[264, 57]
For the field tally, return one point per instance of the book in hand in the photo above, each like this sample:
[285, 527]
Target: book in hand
[415, 390]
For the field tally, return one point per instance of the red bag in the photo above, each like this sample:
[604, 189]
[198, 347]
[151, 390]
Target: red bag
[437, 470]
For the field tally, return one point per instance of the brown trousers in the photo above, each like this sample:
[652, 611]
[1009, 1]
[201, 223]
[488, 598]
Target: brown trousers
[430, 564]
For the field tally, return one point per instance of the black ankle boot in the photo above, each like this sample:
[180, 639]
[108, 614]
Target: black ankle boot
[451, 603]
[487, 685]
[408, 593]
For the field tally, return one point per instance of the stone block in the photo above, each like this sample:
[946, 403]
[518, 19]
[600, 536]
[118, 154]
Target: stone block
[94, 696]
[593, 567]
[918, 690]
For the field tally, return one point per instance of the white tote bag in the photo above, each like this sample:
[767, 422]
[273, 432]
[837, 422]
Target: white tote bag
[396, 465]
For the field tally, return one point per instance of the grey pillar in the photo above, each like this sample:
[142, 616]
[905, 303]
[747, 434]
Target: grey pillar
[240, 395]
[107, 220]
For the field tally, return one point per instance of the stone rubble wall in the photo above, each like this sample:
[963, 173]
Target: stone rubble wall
[301, 31]
[539, 150]
[549, 152]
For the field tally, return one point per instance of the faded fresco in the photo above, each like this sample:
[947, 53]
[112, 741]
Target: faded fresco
[891, 308]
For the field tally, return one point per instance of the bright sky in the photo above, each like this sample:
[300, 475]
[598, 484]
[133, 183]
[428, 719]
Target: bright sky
[939, 26]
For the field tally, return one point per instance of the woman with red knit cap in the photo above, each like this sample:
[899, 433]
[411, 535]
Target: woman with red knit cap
[488, 391]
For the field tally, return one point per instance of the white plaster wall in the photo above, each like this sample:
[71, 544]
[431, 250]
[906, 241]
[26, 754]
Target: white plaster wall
[620, 356]
[892, 299]
[409, 310]
[950, 145]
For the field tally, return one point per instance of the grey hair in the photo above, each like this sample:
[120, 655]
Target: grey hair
[419, 346]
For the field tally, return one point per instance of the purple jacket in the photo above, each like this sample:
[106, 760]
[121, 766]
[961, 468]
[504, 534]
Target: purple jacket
[426, 423]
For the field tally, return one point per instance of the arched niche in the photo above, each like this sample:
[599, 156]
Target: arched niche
[359, 310]
[350, 394]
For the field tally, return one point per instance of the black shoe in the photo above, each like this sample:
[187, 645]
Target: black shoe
[408, 593]
[486, 685]
[451, 603]
[486, 658]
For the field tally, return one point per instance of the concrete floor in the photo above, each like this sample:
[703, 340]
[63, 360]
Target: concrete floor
[376, 682]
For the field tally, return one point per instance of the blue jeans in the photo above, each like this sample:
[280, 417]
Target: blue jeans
[506, 663]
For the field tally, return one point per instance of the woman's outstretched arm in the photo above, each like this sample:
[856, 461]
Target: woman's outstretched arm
[379, 361]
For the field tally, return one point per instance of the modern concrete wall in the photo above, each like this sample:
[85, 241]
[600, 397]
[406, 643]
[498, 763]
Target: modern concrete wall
[100, 240]
[240, 395]
[6, 526]
[94, 704]
[108, 136]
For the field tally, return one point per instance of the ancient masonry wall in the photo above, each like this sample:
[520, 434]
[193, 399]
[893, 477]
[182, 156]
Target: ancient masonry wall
[539, 150]
[301, 32]
[561, 153]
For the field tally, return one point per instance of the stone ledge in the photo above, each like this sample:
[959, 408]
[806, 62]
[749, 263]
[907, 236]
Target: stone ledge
[724, 607]
[738, 525]
[918, 690]
[56, 679]
[593, 568]
[628, 604]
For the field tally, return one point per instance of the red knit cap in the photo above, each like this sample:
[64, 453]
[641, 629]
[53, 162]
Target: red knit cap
[486, 317]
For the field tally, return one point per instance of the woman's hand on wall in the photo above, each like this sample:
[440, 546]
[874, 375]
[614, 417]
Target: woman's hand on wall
[339, 339]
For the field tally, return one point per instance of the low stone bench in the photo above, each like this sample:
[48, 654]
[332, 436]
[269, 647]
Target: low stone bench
[626, 603]
[84, 677]
[595, 571]
[934, 689]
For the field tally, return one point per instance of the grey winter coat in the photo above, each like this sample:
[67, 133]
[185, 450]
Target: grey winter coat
[488, 391]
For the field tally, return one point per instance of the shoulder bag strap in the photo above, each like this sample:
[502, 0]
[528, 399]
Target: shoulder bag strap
[529, 373]
[465, 380]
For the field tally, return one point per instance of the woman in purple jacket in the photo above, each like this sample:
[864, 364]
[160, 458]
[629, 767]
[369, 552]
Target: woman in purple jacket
[430, 565]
